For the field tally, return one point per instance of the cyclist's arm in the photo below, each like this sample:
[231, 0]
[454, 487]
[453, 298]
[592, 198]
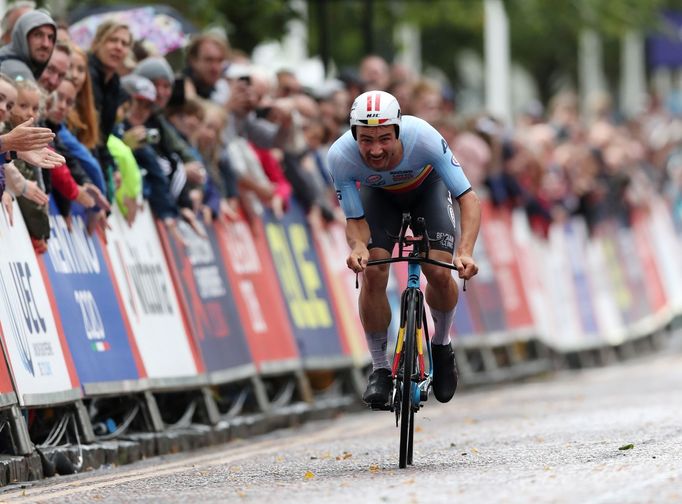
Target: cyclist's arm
[357, 235]
[470, 215]
[470, 222]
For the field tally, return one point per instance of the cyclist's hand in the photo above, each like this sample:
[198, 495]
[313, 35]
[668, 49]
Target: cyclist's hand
[466, 266]
[357, 260]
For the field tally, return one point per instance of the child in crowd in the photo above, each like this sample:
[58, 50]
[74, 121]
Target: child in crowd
[29, 104]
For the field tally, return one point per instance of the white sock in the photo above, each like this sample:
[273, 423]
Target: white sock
[442, 321]
[376, 341]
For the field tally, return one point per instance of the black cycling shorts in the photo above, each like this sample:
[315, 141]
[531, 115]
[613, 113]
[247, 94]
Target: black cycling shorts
[431, 200]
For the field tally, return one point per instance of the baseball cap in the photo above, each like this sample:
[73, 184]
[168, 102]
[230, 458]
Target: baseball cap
[139, 87]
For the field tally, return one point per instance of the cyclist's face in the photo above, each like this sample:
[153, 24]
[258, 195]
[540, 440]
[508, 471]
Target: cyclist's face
[379, 147]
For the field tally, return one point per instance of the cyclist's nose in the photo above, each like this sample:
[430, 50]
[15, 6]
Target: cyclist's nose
[376, 149]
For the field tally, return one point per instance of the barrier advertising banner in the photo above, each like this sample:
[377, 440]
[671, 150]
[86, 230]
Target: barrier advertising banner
[303, 287]
[668, 250]
[89, 307]
[141, 271]
[333, 251]
[530, 251]
[466, 323]
[484, 292]
[611, 324]
[568, 331]
[36, 355]
[575, 240]
[255, 288]
[204, 289]
[653, 282]
[496, 233]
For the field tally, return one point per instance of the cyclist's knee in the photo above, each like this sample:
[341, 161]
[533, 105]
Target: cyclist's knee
[440, 278]
[376, 277]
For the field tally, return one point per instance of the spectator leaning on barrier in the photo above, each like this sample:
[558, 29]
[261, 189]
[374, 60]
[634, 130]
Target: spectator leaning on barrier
[109, 48]
[82, 164]
[29, 103]
[24, 141]
[168, 188]
[33, 40]
[157, 70]
[210, 145]
[17, 186]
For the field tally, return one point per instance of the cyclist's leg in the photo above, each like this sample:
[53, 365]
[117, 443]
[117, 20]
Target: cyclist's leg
[375, 310]
[435, 205]
[384, 216]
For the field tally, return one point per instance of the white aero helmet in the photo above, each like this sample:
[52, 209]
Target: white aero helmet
[375, 108]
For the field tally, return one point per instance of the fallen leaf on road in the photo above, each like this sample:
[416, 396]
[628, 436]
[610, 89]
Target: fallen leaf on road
[309, 475]
[474, 450]
[418, 429]
[627, 447]
[374, 468]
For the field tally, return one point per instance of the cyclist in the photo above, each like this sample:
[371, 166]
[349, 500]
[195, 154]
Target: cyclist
[402, 164]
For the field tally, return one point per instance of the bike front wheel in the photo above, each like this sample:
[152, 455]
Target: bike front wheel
[408, 366]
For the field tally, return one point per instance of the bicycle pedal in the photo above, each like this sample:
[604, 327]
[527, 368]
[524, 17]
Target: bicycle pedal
[380, 407]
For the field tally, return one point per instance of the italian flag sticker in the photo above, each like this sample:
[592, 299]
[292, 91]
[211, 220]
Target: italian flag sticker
[100, 346]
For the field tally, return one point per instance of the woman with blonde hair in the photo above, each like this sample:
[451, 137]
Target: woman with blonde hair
[109, 49]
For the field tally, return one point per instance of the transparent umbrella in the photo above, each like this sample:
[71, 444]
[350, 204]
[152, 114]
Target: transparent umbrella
[162, 29]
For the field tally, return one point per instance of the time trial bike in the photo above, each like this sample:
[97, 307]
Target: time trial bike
[411, 381]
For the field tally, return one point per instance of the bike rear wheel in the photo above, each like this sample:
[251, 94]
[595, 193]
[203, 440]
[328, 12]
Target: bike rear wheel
[408, 366]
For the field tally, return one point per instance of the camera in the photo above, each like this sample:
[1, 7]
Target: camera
[153, 136]
[263, 112]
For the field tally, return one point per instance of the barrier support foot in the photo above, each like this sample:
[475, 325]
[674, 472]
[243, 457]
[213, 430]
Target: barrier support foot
[153, 413]
[83, 422]
[20, 437]
[212, 413]
[304, 388]
[260, 394]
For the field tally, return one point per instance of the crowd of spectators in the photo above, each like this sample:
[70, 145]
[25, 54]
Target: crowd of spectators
[114, 124]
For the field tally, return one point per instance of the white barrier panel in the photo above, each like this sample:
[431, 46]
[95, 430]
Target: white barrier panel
[31, 341]
[142, 274]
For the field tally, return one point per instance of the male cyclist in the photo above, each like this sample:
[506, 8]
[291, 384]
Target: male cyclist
[402, 164]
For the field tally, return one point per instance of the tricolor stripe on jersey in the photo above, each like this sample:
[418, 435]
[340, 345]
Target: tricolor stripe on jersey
[413, 183]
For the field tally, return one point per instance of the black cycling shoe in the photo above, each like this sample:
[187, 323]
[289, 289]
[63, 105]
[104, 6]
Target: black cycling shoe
[378, 387]
[444, 372]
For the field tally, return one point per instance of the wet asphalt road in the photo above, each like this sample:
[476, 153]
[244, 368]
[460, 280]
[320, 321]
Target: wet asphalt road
[555, 439]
